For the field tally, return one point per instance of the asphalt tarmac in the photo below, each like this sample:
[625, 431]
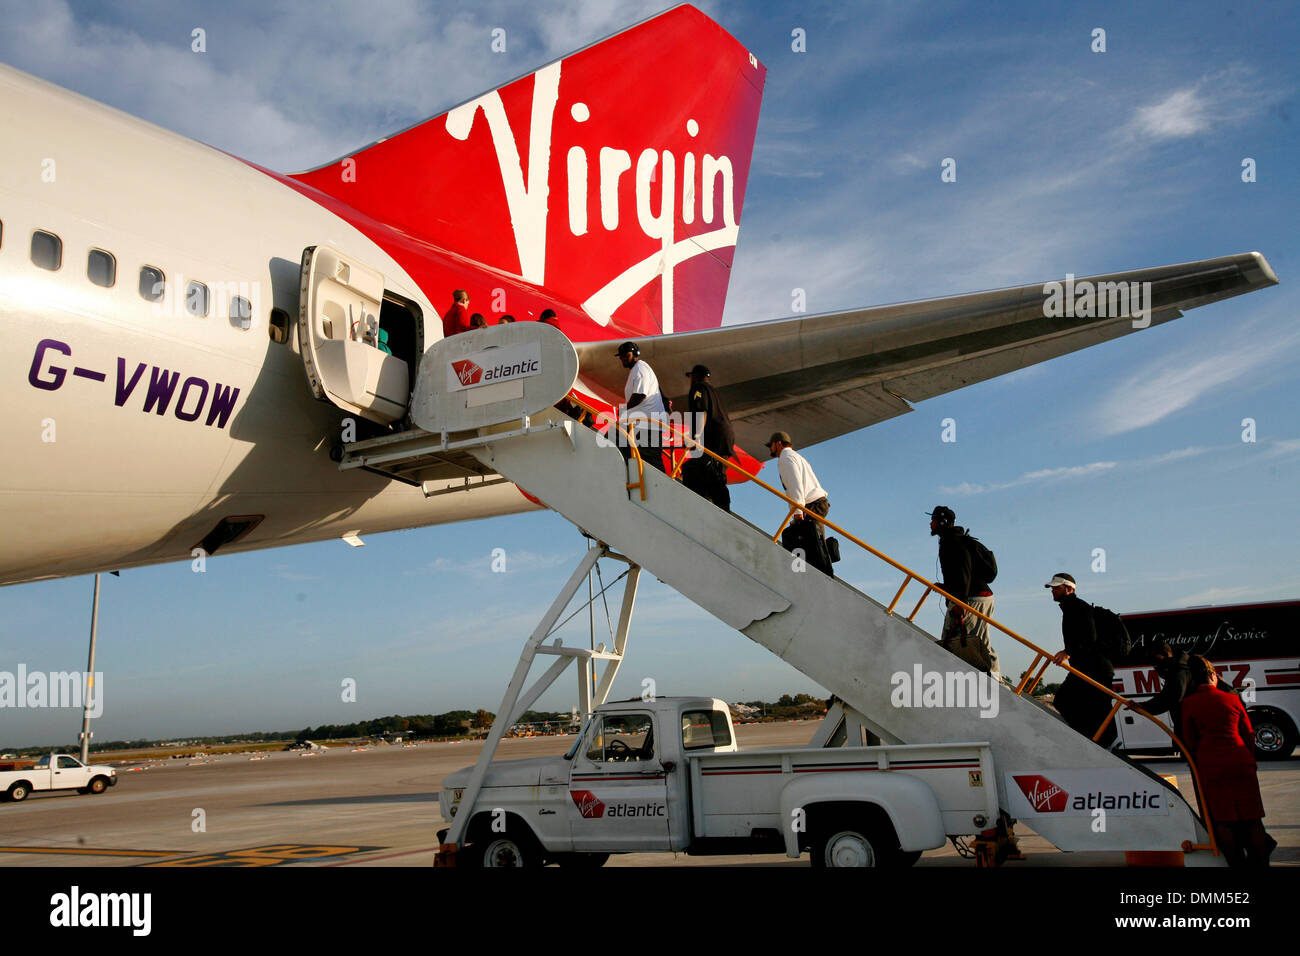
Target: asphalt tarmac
[378, 807]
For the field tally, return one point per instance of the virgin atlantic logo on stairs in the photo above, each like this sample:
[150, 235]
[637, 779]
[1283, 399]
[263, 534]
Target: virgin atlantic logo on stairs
[589, 805]
[1043, 795]
[468, 372]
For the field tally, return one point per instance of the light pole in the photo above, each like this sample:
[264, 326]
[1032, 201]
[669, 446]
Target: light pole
[89, 683]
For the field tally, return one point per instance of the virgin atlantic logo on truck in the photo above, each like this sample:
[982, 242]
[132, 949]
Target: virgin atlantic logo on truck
[1090, 790]
[589, 805]
[1043, 795]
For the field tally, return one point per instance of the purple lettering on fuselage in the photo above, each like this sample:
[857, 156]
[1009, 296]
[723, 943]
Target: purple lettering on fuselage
[45, 373]
[160, 390]
[125, 388]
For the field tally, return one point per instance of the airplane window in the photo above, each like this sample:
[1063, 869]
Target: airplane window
[278, 328]
[152, 284]
[241, 312]
[196, 299]
[101, 267]
[47, 250]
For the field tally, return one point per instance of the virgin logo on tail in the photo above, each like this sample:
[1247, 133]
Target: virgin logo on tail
[589, 805]
[468, 372]
[528, 203]
[1043, 795]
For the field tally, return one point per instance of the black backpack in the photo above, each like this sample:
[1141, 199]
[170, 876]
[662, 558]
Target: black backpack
[983, 566]
[1112, 636]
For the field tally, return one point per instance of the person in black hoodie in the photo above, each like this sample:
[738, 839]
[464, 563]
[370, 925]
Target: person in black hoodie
[1083, 706]
[1173, 670]
[711, 426]
[963, 633]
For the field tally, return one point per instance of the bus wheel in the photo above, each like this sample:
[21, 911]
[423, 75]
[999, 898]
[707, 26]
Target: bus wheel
[1275, 736]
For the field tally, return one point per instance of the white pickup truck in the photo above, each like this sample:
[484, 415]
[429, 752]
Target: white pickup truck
[56, 771]
[667, 775]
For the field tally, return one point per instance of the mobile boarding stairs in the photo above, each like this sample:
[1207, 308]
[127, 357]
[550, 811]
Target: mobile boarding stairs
[470, 432]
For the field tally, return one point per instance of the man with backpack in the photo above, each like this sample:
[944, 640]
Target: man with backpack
[1093, 644]
[968, 568]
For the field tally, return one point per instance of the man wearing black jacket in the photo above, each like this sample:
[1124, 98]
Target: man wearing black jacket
[710, 426]
[964, 634]
[1083, 706]
[1173, 670]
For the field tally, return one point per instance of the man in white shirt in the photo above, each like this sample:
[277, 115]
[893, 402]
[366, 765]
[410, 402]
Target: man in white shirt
[799, 482]
[644, 399]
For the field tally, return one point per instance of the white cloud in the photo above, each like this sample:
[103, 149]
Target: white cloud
[1182, 113]
[1245, 592]
[1282, 447]
[1178, 380]
[1226, 97]
[1179, 454]
[515, 560]
[1074, 472]
[1031, 478]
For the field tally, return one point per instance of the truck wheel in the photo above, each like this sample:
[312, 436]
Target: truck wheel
[847, 845]
[1275, 738]
[507, 849]
[98, 785]
[18, 792]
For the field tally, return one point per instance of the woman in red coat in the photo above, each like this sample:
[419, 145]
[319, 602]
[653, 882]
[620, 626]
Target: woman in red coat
[1219, 737]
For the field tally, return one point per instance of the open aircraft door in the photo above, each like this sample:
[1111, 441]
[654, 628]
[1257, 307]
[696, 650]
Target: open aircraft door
[340, 337]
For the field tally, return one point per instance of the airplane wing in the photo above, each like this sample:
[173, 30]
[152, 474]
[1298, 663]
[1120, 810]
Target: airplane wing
[817, 377]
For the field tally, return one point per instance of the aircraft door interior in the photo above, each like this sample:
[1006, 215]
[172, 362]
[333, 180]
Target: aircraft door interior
[359, 342]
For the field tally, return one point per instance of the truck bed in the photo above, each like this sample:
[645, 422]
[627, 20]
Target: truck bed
[734, 794]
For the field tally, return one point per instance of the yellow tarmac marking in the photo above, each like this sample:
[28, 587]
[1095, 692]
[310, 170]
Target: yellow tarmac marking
[86, 851]
[276, 854]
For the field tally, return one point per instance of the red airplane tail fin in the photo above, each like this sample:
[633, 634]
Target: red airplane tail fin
[613, 178]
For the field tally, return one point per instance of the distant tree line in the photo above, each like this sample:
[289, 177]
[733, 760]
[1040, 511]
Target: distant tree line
[453, 723]
[786, 707]
[144, 744]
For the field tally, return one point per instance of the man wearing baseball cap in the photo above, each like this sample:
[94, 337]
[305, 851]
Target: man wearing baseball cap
[711, 427]
[801, 484]
[644, 399]
[1083, 706]
[963, 633]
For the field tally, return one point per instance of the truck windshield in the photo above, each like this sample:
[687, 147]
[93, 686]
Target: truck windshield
[620, 737]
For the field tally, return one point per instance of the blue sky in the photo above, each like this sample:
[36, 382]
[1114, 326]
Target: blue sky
[1068, 161]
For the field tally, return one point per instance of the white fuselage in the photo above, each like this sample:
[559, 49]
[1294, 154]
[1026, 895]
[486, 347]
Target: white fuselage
[138, 466]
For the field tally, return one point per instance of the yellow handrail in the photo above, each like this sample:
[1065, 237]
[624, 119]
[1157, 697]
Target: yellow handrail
[631, 443]
[910, 575]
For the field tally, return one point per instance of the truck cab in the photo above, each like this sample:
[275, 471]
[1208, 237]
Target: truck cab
[622, 786]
